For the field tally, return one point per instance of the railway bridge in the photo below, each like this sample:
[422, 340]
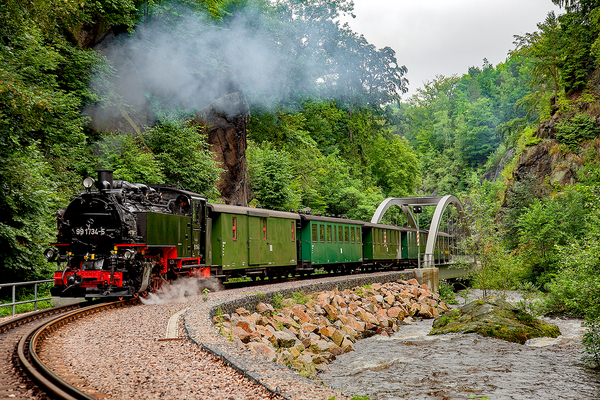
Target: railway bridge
[448, 216]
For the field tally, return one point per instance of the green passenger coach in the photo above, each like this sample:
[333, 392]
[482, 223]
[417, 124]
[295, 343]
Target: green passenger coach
[334, 244]
[382, 244]
[248, 241]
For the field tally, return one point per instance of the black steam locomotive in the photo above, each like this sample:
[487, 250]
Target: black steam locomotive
[105, 248]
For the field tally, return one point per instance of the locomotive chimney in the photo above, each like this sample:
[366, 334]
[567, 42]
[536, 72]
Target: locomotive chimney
[105, 179]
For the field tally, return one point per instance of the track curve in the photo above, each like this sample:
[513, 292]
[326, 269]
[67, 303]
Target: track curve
[24, 373]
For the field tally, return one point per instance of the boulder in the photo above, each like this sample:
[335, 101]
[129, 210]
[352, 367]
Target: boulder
[241, 334]
[394, 312]
[263, 308]
[494, 317]
[262, 349]
[284, 339]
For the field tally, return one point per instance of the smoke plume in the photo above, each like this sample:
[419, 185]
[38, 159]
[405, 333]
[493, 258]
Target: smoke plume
[182, 289]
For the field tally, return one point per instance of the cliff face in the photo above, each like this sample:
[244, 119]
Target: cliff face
[548, 165]
[226, 120]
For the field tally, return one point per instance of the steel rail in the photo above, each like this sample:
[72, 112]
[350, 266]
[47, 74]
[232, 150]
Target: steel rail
[27, 352]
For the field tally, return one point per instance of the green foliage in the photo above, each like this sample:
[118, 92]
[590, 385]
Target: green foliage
[129, 157]
[277, 301]
[394, 166]
[497, 268]
[28, 200]
[591, 343]
[182, 152]
[544, 226]
[574, 131]
[447, 292]
[457, 123]
[300, 298]
[270, 175]
[340, 162]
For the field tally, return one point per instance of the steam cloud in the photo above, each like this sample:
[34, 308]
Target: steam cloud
[192, 63]
[181, 289]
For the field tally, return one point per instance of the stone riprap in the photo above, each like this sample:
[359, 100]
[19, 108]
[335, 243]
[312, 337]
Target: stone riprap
[307, 336]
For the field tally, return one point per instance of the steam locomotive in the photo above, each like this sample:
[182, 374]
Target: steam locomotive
[121, 239]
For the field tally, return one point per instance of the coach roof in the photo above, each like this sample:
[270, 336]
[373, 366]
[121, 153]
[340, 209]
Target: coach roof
[253, 212]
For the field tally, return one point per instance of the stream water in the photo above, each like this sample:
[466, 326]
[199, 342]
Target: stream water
[412, 365]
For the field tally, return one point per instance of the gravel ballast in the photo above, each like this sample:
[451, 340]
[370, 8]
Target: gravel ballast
[119, 353]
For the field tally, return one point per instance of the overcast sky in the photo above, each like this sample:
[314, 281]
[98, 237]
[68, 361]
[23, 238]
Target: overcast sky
[446, 37]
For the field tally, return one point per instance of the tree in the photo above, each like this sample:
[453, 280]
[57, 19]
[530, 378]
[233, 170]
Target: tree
[271, 176]
[543, 48]
[394, 166]
[182, 153]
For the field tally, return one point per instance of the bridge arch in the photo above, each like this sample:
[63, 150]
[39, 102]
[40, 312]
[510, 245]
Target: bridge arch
[440, 203]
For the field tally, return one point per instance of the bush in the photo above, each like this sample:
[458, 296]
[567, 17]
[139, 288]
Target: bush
[591, 342]
[576, 130]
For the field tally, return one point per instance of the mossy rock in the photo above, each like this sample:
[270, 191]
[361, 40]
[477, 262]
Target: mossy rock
[494, 317]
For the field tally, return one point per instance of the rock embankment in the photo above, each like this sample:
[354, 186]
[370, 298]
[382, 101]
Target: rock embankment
[307, 332]
[494, 317]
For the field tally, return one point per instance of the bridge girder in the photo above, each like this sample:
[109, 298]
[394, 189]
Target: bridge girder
[440, 203]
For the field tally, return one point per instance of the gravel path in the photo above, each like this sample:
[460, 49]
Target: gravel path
[118, 353]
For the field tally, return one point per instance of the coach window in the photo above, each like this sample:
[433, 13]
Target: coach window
[314, 232]
[264, 228]
[329, 233]
[234, 227]
[346, 235]
[359, 235]
[340, 234]
[322, 233]
[293, 231]
[352, 235]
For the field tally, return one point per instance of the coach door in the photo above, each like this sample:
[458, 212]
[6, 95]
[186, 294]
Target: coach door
[254, 240]
[198, 221]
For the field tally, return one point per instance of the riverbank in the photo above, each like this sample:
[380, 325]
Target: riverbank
[413, 365]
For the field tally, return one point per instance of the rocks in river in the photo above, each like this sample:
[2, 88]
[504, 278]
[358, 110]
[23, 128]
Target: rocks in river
[494, 317]
[308, 336]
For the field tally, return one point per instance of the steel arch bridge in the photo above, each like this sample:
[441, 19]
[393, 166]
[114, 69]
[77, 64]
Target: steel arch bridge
[440, 203]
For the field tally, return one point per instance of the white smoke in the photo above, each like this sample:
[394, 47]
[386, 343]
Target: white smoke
[182, 289]
[192, 63]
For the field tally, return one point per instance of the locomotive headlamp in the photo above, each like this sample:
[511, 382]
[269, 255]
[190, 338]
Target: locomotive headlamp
[128, 254]
[88, 182]
[50, 254]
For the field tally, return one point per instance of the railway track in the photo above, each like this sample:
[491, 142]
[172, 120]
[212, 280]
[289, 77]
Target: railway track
[29, 369]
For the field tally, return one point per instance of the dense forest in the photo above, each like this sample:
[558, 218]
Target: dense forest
[328, 128]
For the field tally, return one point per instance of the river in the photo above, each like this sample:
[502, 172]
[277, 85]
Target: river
[412, 365]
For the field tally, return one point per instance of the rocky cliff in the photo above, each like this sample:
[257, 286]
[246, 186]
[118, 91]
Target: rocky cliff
[546, 164]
